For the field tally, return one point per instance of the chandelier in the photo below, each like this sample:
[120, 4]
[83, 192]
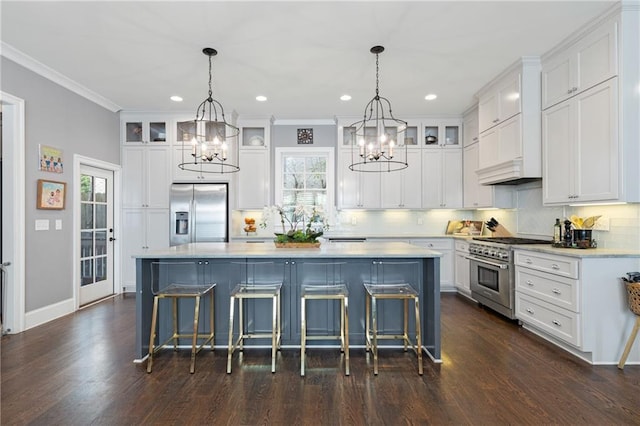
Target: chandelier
[376, 148]
[208, 140]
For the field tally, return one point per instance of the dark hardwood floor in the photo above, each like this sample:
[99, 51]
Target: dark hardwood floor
[78, 370]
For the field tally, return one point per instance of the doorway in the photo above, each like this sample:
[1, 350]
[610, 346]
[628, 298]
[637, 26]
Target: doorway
[96, 234]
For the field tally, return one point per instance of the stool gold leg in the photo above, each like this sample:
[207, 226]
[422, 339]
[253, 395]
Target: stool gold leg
[152, 334]
[367, 313]
[194, 340]
[405, 309]
[230, 350]
[175, 322]
[374, 315]
[241, 323]
[274, 323]
[279, 318]
[416, 302]
[632, 338]
[303, 334]
[346, 336]
[211, 320]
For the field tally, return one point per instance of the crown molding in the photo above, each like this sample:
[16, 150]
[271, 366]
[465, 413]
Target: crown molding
[34, 65]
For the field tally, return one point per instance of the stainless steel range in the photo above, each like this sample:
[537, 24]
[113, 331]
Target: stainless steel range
[492, 273]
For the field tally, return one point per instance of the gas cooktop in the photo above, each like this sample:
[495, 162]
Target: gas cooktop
[512, 240]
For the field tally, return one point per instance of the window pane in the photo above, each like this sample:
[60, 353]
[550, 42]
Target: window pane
[289, 198]
[292, 181]
[86, 219]
[86, 271]
[101, 268]
[316, 181]
[86, 244]
[101, 215]
[316, 164]
[86, 188]
[101, 243]
[100, 188]
[293, 164]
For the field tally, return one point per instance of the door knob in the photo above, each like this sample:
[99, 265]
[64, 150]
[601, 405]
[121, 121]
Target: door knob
[111, 239]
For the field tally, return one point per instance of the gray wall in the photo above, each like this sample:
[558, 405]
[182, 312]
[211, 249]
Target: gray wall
[60, 118]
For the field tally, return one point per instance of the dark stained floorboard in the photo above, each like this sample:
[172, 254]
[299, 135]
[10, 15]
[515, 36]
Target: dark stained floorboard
[78, 370]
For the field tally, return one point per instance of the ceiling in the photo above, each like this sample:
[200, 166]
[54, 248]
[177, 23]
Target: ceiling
[302, 55]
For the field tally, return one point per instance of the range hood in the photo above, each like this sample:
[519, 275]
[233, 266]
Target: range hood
[512, 172]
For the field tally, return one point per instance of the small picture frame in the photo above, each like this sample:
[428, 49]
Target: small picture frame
[51, 195]
[50, 159]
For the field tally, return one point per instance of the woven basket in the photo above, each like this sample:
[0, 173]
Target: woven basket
[297, 245]
[633, 290]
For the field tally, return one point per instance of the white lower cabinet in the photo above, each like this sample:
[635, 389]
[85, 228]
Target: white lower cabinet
[142, 230]
[577, 303]
[461, 273]
[444, 246]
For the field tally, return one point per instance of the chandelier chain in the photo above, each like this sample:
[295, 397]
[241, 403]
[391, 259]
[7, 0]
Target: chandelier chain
[377, 75]
[210, 80]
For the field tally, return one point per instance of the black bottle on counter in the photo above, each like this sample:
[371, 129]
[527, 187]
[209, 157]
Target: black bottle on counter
[568, 235]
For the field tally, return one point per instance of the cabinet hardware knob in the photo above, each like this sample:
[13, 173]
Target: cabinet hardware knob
[529, 283]
[569, 92]
[529, 310]
[557, 323]
[111, 239]
[528, 261]
[556, 291]
[554, 266]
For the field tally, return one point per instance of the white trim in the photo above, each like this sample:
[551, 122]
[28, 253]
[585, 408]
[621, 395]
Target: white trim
[34, 65]
[79, 160]
[49, 313]
[15, 316]
[309, 122]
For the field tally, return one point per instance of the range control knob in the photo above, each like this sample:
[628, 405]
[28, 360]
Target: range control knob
[492, 253]
[503, 255]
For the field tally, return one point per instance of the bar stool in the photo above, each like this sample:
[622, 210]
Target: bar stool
[178, 280]
[255, 284]
[385, 290]
[633, 292]
[326, 284]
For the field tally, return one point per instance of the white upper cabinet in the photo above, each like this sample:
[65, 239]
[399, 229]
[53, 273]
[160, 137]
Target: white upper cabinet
[589, 61]
[143, 129]
[254, 177]
[401, 189]
[145, 176]
[500, 102]
[442, 133]
[442, 179]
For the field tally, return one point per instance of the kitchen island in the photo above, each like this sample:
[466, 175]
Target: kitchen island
[222, 263]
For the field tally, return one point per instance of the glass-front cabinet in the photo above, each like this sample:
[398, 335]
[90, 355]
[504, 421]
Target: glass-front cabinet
[139, 131]
[442, 134]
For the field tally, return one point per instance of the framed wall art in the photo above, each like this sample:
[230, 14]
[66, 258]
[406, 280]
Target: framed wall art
[51, 195]
[50, 159]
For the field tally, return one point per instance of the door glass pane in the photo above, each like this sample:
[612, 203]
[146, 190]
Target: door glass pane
[101, 216]
[86, 188]
[86, 216]
[100, 188]
[101, 243]
[86, 271]
[101, 268]
[86, 243]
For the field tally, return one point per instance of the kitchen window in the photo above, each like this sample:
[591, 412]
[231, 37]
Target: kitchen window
[304, 176]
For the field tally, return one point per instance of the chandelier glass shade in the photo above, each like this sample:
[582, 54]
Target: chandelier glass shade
[209, 142]
[374, 139]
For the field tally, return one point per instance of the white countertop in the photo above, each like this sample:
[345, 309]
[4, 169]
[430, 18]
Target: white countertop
[269, 250]
[582, 253]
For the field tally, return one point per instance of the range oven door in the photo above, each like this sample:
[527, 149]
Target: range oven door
[491, 280]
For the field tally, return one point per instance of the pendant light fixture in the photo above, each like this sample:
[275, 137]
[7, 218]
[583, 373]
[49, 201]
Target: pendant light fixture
[209, 143]
[374, 145]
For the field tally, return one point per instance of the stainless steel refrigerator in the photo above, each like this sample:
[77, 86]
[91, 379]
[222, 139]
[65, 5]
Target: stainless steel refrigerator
[199, 213]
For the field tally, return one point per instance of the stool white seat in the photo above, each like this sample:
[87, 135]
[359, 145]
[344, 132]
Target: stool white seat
[255, 287]
[178, 280]
[385, 291]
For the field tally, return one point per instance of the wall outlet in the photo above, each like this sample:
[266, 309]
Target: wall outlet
[354, 221]
[420, 221]
[42, 224]
[602, 224]
[58, 224]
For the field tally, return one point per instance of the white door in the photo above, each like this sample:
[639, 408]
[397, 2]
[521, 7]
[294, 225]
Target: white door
[96, 234]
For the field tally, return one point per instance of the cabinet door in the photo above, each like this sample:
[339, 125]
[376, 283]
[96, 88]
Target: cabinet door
[557, 154]
[432, 179]
[452, 179]
[182, 155]
[475, 195]
[488, 111]
[462, 273]
[133, 242]
[158, 177]
[509, 140]
[370, 191]
[470, 128]
[557, 80]
[157, 229]
[349, 183]
[596, 138]
[253, 179]
[401, 189]
[596, 57]
[134, 177]
[509, 98]
[488, 149]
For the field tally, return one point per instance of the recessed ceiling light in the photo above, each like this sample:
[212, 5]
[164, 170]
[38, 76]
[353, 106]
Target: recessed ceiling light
[431, 96]
[175, 98]
[261, 98]
[345, 97]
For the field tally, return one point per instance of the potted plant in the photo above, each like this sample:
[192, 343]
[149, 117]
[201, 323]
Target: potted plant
[305, 224]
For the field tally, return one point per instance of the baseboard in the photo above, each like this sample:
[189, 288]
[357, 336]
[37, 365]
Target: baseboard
[129, 288]
[48, 313]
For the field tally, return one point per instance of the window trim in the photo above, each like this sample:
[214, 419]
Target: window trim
[329, 152]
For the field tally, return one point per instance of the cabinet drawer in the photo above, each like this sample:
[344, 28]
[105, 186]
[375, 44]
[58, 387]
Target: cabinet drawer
[558, 322]
[462, 246]
[434, 244]
[562, 292]
[557, 265]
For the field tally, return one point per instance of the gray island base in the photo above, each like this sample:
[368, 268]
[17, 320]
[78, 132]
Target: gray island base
[225, 264]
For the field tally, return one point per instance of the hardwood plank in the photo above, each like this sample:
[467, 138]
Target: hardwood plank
[79, 370]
